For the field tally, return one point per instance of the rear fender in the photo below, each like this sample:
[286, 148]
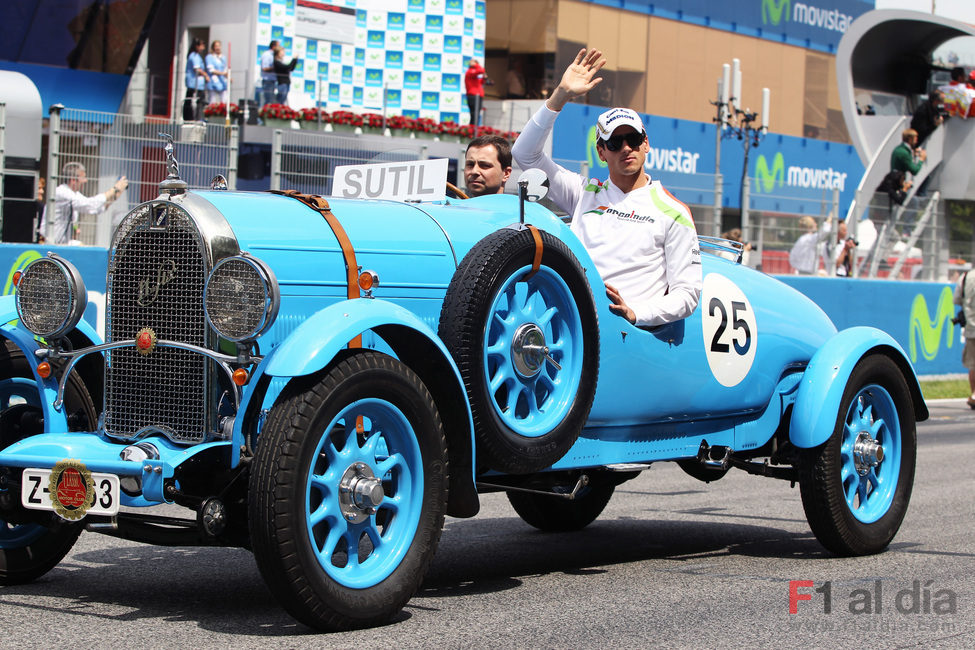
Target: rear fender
[824, 381]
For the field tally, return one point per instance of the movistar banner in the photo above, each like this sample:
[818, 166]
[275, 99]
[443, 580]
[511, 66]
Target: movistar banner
[917, 314]
[787, 174]
[815, 24]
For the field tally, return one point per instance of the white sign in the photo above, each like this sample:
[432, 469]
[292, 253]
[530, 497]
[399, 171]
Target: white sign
[414, 180]
[730, 329]
[324, 22]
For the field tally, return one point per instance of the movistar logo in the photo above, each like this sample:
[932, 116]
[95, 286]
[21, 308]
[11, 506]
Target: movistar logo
[927, 330]
[23, 260]
[768, 177]
[772, 11]
[764, 177]
[591, 156]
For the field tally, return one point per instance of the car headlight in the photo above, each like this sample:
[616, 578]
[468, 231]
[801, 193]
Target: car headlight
[51, 297]
[241, 298]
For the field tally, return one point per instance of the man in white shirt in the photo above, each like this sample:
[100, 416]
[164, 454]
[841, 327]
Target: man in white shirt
[69, 202]
[640, 237]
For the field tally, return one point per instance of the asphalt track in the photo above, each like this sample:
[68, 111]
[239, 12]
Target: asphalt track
[672, 562]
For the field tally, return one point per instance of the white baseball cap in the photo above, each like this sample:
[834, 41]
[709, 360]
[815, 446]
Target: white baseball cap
[617, 117]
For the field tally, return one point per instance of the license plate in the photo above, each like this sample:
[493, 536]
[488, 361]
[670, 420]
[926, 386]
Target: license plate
[35, 494]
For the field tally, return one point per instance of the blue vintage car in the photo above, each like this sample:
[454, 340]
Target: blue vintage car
[323, 382]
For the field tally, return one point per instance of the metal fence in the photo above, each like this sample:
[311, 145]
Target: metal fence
[112, 145]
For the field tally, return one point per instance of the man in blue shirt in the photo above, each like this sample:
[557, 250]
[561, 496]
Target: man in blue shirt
[269, 80]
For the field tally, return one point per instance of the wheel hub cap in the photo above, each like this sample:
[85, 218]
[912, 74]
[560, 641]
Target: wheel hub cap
[360, 493]
[867, 453]
[528, 350]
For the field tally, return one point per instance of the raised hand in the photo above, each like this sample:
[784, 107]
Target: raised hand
[579, 78]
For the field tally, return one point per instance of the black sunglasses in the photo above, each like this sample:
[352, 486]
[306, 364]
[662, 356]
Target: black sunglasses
[615, 143]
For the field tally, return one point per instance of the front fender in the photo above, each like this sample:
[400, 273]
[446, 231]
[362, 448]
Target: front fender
[821, 389]
[54, 420]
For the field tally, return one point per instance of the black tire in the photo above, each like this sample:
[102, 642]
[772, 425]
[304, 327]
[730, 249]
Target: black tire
[306, 435]
[555, 514]
[28, 551]
[513, 434]
[863, 523]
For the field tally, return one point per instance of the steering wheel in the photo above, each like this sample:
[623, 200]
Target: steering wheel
[459, 193]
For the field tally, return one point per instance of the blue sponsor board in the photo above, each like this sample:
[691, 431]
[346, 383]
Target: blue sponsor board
[360, 56]
[479, 48]
[361, 18]
[336, 54]
[412, 79]
[394, 98]
[277, 33]
[431, 61]
[430, 100]
[376, 38]
[287, 43]
[480, 10]
[263, 12]
[396, 20]
[309, 87]
[454, 7]
[357, 95]
[816, 24]
[451, 82]
[334, 93]
[452, 44]
[434, 24]
[299, 68]
[346, 74]
[416, 5]
[916, 314]
[411, 113]
[311, 49]
[322, 70]
[374, 77]
[450, 117]
[468, 27]
[788, 174]
[394, 60]
[414, 41]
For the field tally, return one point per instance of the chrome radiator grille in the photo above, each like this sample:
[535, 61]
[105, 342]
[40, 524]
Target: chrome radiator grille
[157, 271]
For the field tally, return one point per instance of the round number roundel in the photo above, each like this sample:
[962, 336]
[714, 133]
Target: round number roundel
[730, 330]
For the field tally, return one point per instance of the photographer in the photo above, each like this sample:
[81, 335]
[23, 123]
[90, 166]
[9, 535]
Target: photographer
[965, 296]
[928, 116]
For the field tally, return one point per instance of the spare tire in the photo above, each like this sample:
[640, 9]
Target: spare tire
[524, 334]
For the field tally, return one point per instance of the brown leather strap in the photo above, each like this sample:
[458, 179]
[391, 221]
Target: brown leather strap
[459, 193]
[320, 205]
[539, 249]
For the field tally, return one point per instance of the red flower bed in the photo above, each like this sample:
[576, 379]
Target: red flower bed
[346, 117]
[312, 114]
[426, 125]
[399, 122]
[278, 112]
[220, 110]
[374, 120]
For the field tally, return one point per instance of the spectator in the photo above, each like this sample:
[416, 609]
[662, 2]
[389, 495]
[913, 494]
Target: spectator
[196, 81]
[965, 296]
[641, 239]
[895, 185]
[487, 165]
[844, 251]
[957, 95]
[218, 85]
[282, 72]
[803, 258]
[928, 116]
[39, 211]
[907, 157]
[69, 202]
[269, 80]
[474, 80]
[746, 247]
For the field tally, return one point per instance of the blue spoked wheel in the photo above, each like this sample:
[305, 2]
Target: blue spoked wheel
[32, 543]
[856, 487]
[348, 493]
[533, 351]
[526, 342]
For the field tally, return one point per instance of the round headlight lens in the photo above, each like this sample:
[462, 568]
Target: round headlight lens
[241, 298]
[51, 297]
